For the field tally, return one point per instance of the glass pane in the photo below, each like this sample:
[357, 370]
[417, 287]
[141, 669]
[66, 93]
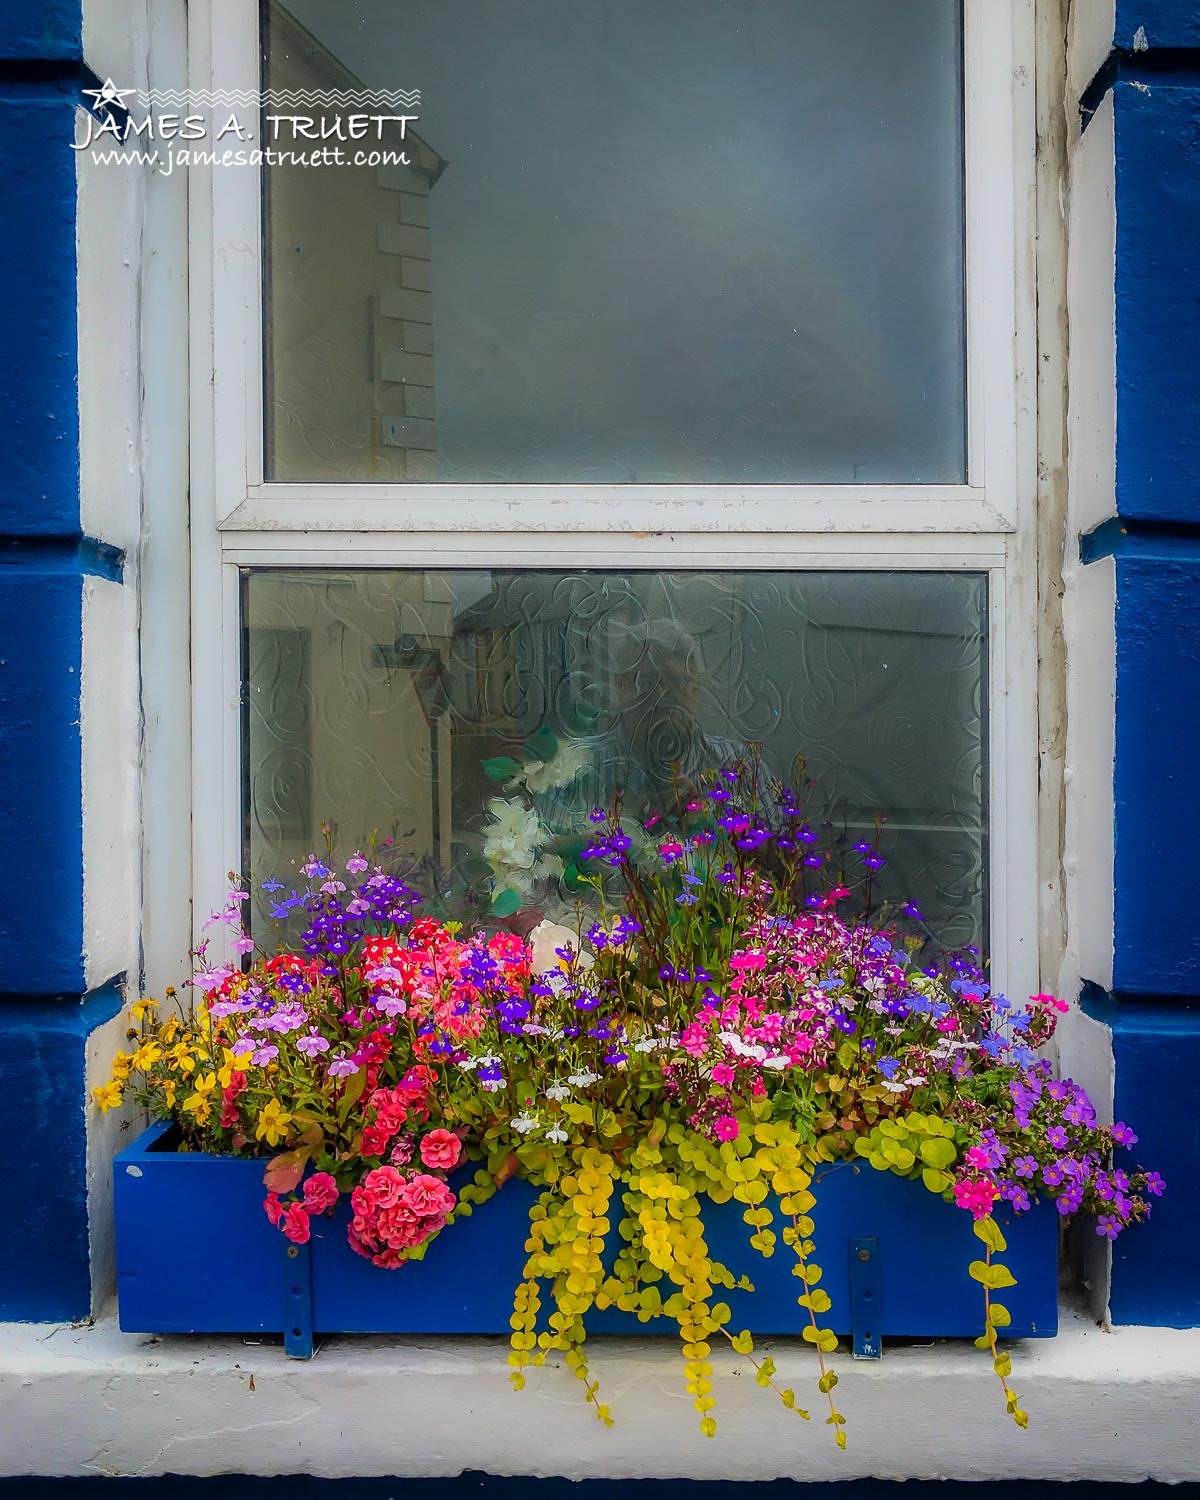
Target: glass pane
[476, 717]
[658, 241]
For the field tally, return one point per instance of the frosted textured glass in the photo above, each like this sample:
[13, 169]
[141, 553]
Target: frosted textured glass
[376, 700]
[639, 241]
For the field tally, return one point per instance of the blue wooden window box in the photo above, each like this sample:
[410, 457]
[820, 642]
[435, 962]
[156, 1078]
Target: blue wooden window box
[196, 1254]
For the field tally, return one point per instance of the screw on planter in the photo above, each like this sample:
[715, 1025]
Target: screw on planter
[864, 1255]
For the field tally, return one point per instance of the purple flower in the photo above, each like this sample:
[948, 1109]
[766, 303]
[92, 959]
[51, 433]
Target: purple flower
[1057, 1137]
[1108, 1226]
[1155, 1184]
[342, 1067]
[1123, 1136]
[312, 1044]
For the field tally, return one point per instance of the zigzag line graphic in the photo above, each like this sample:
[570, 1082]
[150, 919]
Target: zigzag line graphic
[252, 98]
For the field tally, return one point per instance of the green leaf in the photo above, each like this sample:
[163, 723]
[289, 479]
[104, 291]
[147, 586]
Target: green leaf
[505, 902]
[543, 745]
[936, 1182]
[827, 1382]
[988, 1231]
[1002, 1364]
[937, 1152]
[501, 767]
[991, 1276]
[999, 1315]
[743, 1343]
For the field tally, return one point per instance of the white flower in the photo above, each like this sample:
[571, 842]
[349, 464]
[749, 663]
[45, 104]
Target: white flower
[492, 1085]
[546, 939]
[524, 1123]
[558, 1091]
[556, 1133]
[560, 770]
[581, 1080]
[777, 1064]
[743, 1048]
[512, 838]
[647, 1044]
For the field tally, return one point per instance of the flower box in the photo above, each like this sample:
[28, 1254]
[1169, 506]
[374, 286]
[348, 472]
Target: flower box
[196, 1254]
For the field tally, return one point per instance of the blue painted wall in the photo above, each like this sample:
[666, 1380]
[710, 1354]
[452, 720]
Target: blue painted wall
[1154, 538]
[45, 1014]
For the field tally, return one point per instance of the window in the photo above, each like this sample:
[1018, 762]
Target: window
[636, 243]
[483, 713]
[664, 402]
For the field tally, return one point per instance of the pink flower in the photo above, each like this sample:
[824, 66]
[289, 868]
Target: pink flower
[295, 1224]
[723, 1074]
[976, 1197]
[383, 1187]
[273, 1207]
[320, 1193]
[441, 1150]
[751, 960]
[400, 1228]
[725, 1128]
[1049, 1000]
[427, 1197]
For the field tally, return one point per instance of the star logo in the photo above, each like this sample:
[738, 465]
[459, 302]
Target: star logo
[107, 96]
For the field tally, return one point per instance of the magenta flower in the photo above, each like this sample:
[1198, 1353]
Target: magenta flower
[726, 1128]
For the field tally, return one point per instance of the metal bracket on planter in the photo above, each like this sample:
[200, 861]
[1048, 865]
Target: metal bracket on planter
[866, 1298]
[297, 1301]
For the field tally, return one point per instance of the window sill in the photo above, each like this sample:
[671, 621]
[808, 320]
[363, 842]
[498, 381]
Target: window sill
[91, 1400]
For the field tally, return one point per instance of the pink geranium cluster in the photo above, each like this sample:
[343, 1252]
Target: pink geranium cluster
[394, 1212]
[320, 1194]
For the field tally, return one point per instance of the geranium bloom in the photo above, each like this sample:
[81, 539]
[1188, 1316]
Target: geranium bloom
[441, 1149]
[320, 1193]
[295, 1224]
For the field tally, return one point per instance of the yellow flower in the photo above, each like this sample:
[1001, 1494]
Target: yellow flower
[168, 1031]
[122, 1066]
[235, 1062]
[272, 1123]
[108, 1095]
[199, 1103]
[142, 1009]
[168, 1092]
[146, 1056]
[182, 1058]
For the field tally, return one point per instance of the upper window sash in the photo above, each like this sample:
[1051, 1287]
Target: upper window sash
[227, 365]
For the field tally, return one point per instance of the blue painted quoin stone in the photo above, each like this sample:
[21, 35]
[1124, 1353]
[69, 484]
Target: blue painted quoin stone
[1162, 23]
[1156, 796]
[45, 1016]
[41, 30]
[44, 1271]
[1154, 536]
[1157, 306]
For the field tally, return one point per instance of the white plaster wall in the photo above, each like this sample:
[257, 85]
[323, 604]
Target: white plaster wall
[109, 724]
[1092, 361]
[108, 232]
[106, 1135]
[1089, 41]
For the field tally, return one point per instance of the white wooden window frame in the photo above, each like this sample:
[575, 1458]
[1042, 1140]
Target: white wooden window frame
[240, 520]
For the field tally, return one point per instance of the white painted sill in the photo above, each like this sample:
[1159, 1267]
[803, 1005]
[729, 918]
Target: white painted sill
[91, 1400]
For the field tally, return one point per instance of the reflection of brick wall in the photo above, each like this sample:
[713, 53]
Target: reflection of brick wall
[404, 318]
[350, 306]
